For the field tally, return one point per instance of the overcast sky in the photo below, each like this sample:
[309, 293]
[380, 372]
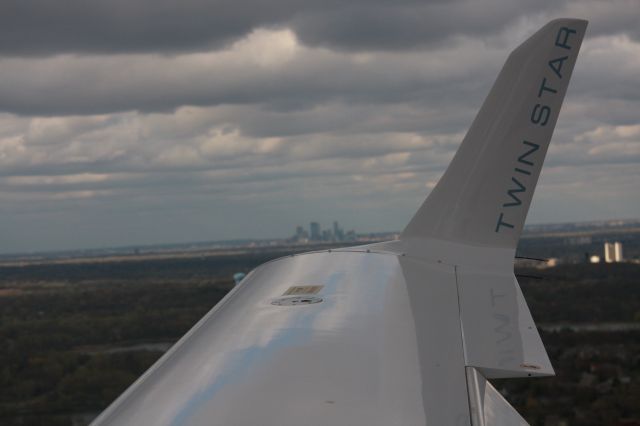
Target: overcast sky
[144, 121]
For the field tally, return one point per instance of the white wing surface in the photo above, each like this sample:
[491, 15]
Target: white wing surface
[399, 333]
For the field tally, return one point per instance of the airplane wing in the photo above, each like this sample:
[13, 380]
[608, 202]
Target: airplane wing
[406, 332]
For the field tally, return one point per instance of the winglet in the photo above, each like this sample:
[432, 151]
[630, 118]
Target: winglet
[484, 196]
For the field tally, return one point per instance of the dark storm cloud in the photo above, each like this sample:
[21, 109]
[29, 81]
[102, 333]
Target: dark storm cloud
[294, 78]
[407, 25]
[44, 27]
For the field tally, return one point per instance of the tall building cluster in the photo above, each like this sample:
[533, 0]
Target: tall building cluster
[612, 253]
[317, 234]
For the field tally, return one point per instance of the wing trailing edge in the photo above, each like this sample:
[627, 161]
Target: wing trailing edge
[499, 335]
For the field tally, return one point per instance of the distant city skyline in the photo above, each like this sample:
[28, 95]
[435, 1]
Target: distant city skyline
[349, 236]
[316, 233]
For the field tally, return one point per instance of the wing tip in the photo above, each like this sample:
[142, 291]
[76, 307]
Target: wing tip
[484, 195]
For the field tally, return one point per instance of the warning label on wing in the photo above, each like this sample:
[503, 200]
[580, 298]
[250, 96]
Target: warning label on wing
[303, 289]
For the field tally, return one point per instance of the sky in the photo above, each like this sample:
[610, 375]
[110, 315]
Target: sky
[126, 122]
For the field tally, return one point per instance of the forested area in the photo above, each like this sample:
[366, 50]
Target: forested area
[74, 336]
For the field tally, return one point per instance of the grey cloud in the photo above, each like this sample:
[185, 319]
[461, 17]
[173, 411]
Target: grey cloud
[67, 85]
[408, 25]
[297, 81]
[584, 192]
[606, 17]
[42, 28]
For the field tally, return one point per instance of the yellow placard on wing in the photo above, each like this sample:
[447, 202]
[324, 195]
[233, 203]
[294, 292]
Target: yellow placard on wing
[303, 289]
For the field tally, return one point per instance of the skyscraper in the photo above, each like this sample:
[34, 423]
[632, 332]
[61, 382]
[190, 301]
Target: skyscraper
[338, 233]
[314, 228]
[617, 251]
[301, 235]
